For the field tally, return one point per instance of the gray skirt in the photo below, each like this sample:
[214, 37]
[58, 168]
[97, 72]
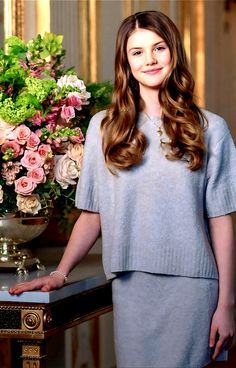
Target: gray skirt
[163, 321]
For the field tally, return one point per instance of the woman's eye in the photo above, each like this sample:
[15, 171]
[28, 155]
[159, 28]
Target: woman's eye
[160, 48]
[136, 53]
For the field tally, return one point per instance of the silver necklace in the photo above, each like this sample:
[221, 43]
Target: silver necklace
[157, 123]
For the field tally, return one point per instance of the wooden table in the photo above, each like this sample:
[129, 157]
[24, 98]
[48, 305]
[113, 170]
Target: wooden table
[30, 319]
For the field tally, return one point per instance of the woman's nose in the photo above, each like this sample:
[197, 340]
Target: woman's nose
[150, 58]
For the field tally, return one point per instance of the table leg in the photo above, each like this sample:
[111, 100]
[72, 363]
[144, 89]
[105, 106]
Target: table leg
[5, 353]
[30, 354]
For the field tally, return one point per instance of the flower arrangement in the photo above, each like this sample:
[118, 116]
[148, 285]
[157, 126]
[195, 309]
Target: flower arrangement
[44, 113]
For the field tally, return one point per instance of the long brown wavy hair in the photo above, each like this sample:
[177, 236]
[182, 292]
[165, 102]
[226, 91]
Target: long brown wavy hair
[123, 143]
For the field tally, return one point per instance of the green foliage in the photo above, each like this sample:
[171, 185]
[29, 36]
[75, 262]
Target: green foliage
[100, 99]
[49, 45]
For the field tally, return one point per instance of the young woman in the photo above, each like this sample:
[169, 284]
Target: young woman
[159, 181]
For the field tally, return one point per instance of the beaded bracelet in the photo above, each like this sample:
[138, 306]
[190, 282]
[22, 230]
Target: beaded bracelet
[60, 274]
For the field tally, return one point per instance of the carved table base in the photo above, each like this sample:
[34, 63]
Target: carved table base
[28, 325]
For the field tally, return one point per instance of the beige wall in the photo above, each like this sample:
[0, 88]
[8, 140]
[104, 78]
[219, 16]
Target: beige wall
[220, 48]
[220, 71]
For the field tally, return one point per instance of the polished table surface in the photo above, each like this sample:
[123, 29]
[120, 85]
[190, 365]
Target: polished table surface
[89, 274]
[30, 318]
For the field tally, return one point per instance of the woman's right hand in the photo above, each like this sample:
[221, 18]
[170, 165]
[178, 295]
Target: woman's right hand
[44, 283]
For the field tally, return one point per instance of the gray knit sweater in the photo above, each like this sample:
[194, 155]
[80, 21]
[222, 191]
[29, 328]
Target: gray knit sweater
[154, 217]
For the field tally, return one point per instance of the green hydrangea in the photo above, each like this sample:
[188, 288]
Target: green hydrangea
[40, 88]
[16, 112]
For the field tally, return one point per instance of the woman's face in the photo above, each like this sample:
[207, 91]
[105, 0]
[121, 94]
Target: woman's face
[149, 58]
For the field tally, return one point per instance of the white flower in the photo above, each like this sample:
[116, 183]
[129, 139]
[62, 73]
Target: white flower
[5, 131]
[75, 152]
[65, 171]
[28, 204]
[71, 80]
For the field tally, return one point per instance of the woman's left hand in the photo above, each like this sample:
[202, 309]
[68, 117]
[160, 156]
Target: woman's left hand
[222, 330]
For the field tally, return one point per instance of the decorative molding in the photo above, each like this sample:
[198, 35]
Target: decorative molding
[9, 306]
[47, 319]
[88, 39]
[21, 333]
[83, 39]
[31, 351]
[43, 16]
[127, 8]
[165, 6]
[31, 321]
[93, 29]
[14, 18]
[197, 29]
[185, 22]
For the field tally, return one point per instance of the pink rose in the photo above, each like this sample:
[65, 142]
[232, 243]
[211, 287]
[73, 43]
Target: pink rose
[38, 132]
[24, 185]
[33, 141]
[67, 112]
[22, 134]
[29, 204]
[65, 171]
[45, 151]
[77, 138]
[74, 100]
[11, 150]
[37, 175]
[37, 119]
[31, 160]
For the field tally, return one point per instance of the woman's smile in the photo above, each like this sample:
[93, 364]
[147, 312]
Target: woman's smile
[152, 71]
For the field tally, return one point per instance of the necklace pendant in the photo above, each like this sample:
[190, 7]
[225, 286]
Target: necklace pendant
[159, 131]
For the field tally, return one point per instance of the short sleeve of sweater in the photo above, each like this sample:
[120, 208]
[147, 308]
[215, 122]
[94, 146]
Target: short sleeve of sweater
[86, 193]
[221, 172]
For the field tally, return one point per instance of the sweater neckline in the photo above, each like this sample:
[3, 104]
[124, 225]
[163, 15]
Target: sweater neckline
[153, 120]
[145, 117]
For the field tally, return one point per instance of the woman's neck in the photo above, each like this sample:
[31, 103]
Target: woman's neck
[151, 104]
